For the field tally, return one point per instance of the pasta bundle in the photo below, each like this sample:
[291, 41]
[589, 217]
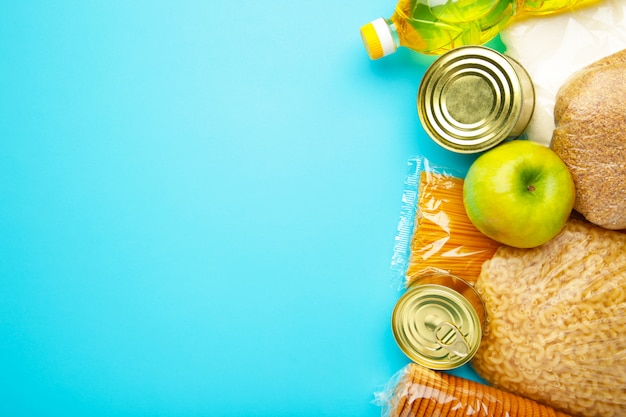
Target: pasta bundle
[417, 391]
[444, 238]
[556, 328]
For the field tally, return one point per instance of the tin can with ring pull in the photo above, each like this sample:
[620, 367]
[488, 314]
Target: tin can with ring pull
[438, 322]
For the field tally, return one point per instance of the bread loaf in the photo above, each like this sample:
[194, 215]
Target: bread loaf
[590, 137]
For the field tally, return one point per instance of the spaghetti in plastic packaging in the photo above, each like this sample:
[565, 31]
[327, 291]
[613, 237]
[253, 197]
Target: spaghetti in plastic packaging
[434, 232]
[416, 391]
[556, 330]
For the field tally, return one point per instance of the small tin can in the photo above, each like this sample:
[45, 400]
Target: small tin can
[438, 322]
[473, 97]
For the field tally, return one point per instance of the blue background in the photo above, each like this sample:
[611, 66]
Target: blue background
[198, 207]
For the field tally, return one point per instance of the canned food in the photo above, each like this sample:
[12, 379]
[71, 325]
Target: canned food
[473, 97]
[438, 322]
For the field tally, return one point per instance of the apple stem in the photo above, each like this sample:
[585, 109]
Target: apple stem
[531, 188]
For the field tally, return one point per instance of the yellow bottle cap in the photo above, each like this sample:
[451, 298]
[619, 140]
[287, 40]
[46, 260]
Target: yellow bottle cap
[378, 39]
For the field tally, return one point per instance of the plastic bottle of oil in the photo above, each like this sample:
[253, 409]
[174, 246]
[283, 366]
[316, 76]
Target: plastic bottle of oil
[436, 26]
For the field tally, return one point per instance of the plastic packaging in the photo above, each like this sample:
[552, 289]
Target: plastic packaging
[434, 232]
[436, 26]
[416, 391]
[556, 329]
[568, 42]
[590, 137]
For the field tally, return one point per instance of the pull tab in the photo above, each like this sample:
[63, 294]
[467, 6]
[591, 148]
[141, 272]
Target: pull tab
[453, 340]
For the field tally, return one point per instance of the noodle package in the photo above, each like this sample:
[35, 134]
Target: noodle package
[434, 233]
[416, 391]
[556, 314]
[556, 328]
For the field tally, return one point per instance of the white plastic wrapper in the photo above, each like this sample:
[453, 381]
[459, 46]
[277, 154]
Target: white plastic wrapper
[552, 48]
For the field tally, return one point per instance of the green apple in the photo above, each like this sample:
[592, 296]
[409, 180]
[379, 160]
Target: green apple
[519, 193]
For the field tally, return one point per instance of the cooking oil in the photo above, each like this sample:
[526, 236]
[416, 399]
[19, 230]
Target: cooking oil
[437, 26]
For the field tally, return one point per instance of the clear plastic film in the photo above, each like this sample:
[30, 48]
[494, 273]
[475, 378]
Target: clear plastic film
[434, 232]
[554, 47]
[556, 329]
[416, 391]
[590, 137]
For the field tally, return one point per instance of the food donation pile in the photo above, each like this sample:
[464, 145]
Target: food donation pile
[539, 232]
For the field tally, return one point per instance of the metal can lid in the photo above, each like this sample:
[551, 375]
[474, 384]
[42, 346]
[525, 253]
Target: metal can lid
[436, 326]
[472, 98]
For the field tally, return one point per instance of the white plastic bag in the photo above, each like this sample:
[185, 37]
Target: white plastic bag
[551, 48]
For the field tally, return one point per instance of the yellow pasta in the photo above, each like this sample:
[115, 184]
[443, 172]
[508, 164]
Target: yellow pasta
[423, 392]
[565, 333]
[444, 238]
